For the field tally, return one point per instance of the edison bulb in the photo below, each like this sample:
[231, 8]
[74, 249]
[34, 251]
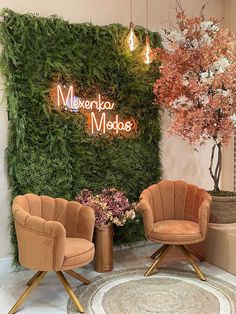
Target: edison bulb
[132, 39]
[147, 52]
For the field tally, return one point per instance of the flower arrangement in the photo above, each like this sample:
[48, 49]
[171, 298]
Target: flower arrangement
[110, 206]
[198, 83]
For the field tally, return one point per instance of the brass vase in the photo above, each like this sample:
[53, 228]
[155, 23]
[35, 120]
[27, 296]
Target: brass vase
[104, 249]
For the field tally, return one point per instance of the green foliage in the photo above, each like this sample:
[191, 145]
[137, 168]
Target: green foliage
[132, 232]
[50, 152]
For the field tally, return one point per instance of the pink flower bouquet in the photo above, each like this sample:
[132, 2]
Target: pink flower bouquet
[110, 206]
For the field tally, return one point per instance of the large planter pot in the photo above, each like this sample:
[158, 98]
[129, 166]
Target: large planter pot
[219, 247]
[223, 209]
[104, 249]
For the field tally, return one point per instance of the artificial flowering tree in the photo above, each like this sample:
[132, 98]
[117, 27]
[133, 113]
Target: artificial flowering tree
[198, 83]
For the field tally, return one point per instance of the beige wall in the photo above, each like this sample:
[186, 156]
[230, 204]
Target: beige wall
[227, 182]
[229, 14]
[179, 159]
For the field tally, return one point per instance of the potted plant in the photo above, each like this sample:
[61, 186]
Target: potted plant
[111, 206]
[198, 86]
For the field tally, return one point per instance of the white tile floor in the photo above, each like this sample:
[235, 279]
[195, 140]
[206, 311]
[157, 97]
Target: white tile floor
[50, 297]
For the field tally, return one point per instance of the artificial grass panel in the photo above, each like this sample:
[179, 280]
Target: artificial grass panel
[50, 152]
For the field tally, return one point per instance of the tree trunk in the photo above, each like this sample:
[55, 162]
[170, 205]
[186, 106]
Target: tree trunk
[215, 173]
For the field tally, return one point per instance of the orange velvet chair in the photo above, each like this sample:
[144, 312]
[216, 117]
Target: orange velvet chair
[176, 214]
[53, 235]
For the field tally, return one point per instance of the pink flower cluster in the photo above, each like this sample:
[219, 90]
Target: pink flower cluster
[198, 79]
[110, 206]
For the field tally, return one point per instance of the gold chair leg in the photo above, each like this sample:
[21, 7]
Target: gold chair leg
[158, 260]
[33, 278]
[36, 280]
[162, 248]
[198, 256]
[70, 291]
[192, 262]
[78, 276]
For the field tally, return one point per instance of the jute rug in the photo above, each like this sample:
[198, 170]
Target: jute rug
[168, 291]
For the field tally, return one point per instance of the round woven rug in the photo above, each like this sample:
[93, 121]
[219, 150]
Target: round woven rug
[168, 291]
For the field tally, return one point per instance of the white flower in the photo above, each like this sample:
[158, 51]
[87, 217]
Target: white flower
[225, 93]
[220, 65]
[215, 28]
[117, 222]
[204, 76]
[209, 25]
[207, 28]
[182, 101]
[205, 38]
[177, 36]
[207, 76]
[130, 214]
[206, 25]
[217, 67]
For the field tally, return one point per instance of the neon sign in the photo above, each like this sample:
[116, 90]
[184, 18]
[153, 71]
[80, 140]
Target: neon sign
[100, 114]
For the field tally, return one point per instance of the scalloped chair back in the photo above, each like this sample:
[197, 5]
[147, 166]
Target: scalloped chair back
[175, 213]
[53, 234]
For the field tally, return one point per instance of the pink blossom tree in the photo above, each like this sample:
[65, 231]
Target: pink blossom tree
[198, 83]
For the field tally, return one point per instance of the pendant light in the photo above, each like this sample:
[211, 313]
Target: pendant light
[131, 39]
[147, 51]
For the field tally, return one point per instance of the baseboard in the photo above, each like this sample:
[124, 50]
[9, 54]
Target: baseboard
[6, 265]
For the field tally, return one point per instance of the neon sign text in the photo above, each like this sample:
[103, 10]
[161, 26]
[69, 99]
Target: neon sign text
[101, 118]
[110, 125]
[75, 103]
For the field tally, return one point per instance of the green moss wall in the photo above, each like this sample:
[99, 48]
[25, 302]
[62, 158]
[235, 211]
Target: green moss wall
[50, 152]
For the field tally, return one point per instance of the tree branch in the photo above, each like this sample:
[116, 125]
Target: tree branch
[211, 163]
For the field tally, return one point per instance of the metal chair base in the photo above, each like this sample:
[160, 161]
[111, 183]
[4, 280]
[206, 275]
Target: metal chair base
[161, 253]
[35, 280]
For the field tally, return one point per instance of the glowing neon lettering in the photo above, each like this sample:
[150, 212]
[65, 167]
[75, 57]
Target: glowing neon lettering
[69, 98]
[73, 102]
[99, 121]
[109, 125]
[102, 122]
[81, 103]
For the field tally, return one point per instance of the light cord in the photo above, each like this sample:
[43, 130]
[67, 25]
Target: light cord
[147, 7]
[131, 10]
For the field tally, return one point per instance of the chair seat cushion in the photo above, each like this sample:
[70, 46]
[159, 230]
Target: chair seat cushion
[176, 232]
[78, 252]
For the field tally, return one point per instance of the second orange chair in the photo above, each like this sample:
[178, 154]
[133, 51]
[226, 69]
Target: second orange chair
[176, 214]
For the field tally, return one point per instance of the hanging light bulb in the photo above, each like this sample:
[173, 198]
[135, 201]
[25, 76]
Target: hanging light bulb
[132, 39]
[147, 52]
